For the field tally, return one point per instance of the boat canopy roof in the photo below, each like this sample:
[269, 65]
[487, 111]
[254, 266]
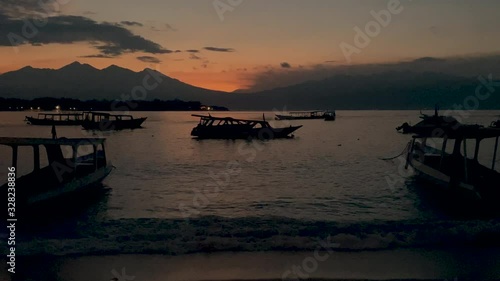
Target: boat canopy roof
[463, 132]
[106, 114]
[47, 141]
[60, 114]
[311, 111]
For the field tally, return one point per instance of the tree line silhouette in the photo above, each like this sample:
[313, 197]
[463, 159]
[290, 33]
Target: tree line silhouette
[13, 104]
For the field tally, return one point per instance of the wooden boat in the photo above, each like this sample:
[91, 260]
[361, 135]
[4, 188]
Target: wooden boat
[58, 119]
[106, 122]
[230, 128]
[301, 115]
[330, 116]
[429, 124]
[85, 167]
[457, 172]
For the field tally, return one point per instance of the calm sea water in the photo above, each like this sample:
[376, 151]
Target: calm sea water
[170, 193]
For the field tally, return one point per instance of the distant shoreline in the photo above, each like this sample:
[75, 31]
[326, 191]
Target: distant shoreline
[65, 104]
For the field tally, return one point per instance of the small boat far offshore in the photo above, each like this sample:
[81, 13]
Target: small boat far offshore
[330, 116]
[107, 122]
[304, 115]
[230, 128]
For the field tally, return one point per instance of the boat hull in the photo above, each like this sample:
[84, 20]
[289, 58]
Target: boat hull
[74, 186]
[288, 117]
[114, 124]
[28, 196]
[443, 181]
[482, 184]
[223, 132]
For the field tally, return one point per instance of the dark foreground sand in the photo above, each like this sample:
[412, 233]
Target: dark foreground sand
[404, 264]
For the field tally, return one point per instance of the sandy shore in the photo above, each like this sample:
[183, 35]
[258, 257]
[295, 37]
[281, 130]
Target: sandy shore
[405, 264]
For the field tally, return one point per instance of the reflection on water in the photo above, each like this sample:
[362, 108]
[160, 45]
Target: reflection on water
[329, 171]
[62, 217]
[171, 194]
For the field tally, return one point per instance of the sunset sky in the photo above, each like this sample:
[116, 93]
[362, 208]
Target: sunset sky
[198, 42]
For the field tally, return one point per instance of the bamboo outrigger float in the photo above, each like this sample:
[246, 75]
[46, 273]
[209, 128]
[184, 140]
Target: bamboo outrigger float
[230, 128]
[63, 175]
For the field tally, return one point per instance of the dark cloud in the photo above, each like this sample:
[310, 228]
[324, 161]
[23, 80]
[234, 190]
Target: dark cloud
[193, 51]
[112, 39]
[100, 56]
[160, 27]
[429, 59]
[89, 13]
[466, 66]
[217, 49]
[285, 65]
[149, 59]
[170, 27]
[131, 23]
[23, 8]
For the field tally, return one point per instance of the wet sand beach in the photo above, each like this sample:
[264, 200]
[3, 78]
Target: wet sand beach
[401, 264]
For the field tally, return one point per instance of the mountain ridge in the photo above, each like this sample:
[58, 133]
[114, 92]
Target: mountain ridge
[384, 90]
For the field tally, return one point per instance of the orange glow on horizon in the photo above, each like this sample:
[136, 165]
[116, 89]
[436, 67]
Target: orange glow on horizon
[219, 81]
[51, 58]
[223, 74]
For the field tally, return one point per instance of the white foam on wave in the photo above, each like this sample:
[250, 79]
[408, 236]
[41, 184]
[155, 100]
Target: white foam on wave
[215, 234]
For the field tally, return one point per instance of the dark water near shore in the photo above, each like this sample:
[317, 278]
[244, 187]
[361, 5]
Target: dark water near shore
[172, 194]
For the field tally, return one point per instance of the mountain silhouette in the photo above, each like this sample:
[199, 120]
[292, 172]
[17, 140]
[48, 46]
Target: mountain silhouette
[385, 90]
[83, 81]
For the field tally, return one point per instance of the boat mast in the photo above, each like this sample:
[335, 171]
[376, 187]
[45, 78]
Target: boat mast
[75, 156]
[443, 151]
[465, 161]
[476, 152]
[495, 154]
[54, 133]
[94, 153]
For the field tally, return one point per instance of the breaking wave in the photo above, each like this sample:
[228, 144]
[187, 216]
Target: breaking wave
[212, 234]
